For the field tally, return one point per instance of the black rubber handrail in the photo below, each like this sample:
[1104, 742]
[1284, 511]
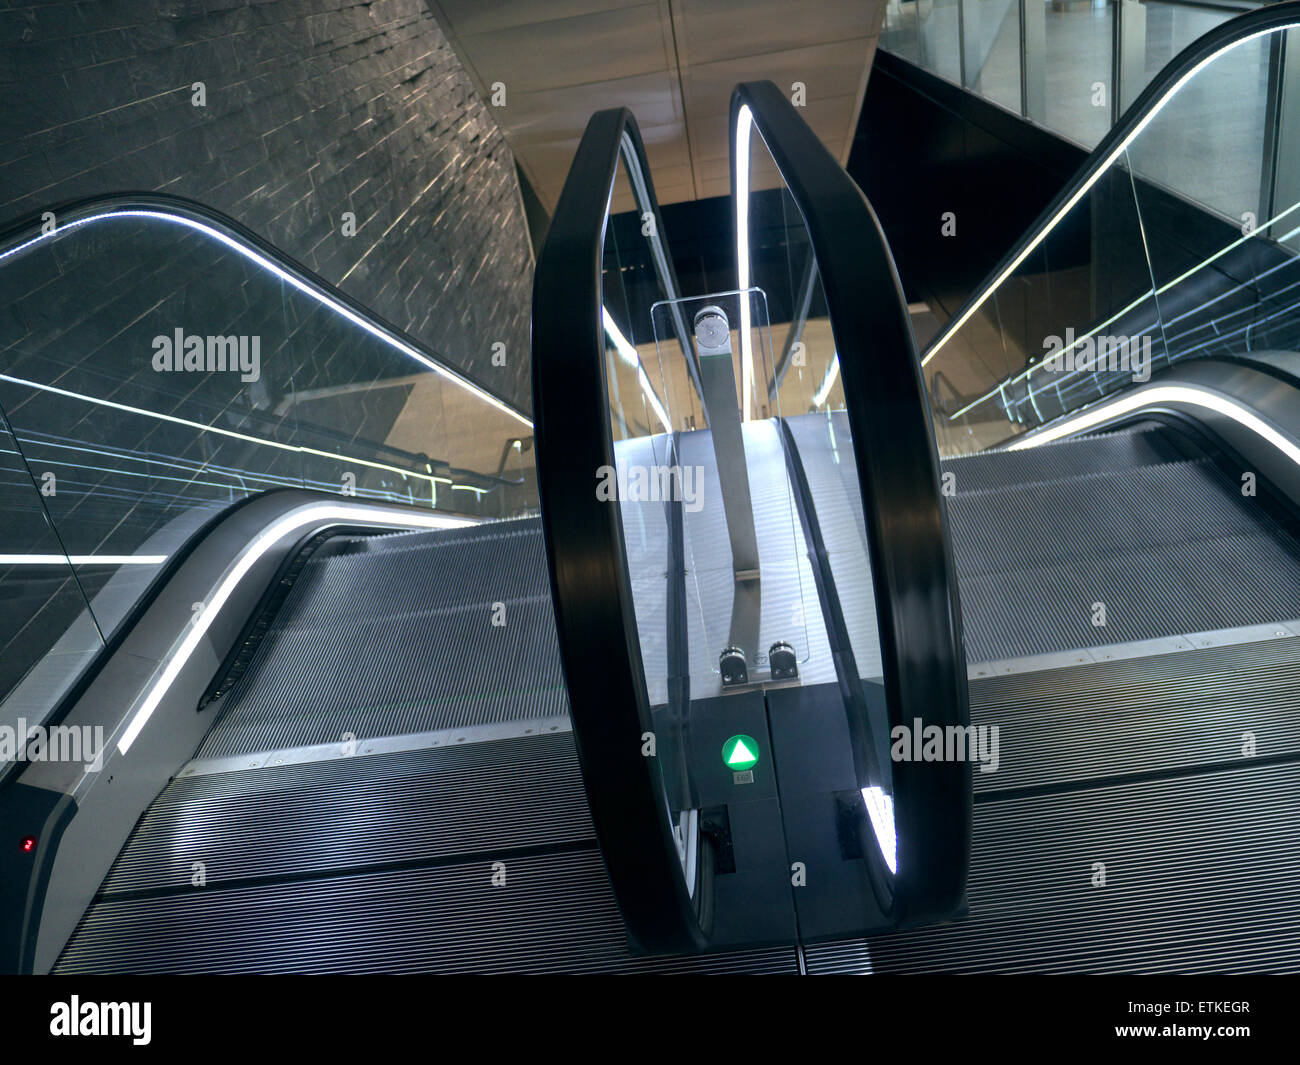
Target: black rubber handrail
[912, 566]
[594, 611]
[1235, 29]
[76, 213]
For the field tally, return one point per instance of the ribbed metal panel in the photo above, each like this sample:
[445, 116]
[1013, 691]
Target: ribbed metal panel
[394, 634]
[849, 958]
[1096, 515]
[1202, 875]
[554, 914]
[1106, 719]
[1180, 588]
[1169, 547]
[1105, 453]
[413, 806]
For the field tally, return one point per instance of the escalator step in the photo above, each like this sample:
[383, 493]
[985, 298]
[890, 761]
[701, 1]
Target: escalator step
[1096, 515]
[427, 653]
[1177, 589]
[1115, 452]
[554, 913]
[287, 821]
[1161, 714]
[1201, 875]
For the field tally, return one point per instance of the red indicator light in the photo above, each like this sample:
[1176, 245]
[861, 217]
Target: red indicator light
[28, 844]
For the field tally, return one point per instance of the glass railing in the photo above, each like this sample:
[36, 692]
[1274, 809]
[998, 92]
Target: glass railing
[853, 405]
[734, 682]
[1177, 240]
[159, 365]
[613, 500]
[1071, 65]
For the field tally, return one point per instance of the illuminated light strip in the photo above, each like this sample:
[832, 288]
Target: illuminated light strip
[1219, 337]
[880, 809]
[1197, 397]
[1024, 374]
[1083, 189]
[630, 356]
[298, 449]
[288, 524]
[284, 275]
[1253, 282]
[1229, 292]
[744, 126]
[82, 560]
[828, 382]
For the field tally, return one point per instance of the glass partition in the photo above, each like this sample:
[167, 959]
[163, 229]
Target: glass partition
[991, 40]
[1072, 65]
[1209, 142]
[46, 619]
[940, 37]
[648, 481]
[809, 396]
[1179, 242]
[1068, 52]
[1158, 31]
[709, 539]
[898, 31]
[158, 367]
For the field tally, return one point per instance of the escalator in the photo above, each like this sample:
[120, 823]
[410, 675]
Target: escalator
[448, 832]
[1127, 540]
[335, 728]
[768, 664]
[1128, 823]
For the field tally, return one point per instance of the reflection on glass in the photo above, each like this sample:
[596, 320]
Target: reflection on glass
[898, 32]
[939, 35]
[805, 390]
[1178, 249]
[157, 371]
[992, 41]
[1159, 31]
[1074, 53]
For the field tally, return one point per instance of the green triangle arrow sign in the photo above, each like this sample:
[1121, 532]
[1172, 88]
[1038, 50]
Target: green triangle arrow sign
[740, 753]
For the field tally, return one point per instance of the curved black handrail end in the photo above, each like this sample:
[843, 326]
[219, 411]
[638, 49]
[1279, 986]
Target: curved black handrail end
[594, 613]
[918, 612]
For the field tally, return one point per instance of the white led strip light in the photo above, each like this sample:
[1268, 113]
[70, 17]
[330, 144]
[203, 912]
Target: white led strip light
[82, 560]
[744, 126]
[313, 514]
[246, 437]
[828, 382]
[630, 356]
[880, 810]
[1083, 190]
[1091, 417]
[284, 275]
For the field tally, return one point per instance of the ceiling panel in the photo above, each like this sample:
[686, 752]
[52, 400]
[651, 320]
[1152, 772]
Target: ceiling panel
[485, 16]
[831, 120]
[562, 114]
[674, 63]
[826, 71]
[707, 29]
[607, 46]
